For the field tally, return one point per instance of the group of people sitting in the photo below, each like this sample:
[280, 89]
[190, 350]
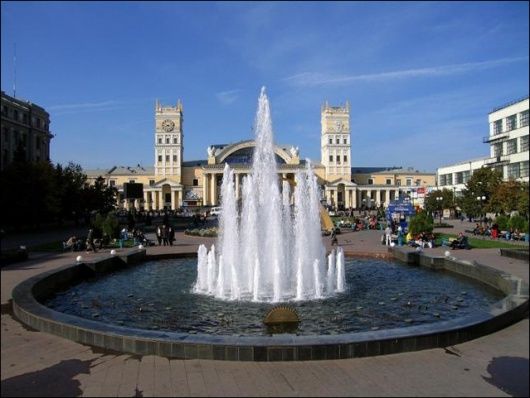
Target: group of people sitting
[423, 239]
[493, 231]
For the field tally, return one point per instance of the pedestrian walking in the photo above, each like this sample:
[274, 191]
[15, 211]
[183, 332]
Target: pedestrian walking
[159, 235]
[90, 241]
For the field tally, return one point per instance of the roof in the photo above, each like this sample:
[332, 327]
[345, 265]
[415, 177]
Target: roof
[121, 170]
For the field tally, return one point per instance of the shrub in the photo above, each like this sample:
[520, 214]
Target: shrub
[502, 221]
[517, 222]
[421, 222]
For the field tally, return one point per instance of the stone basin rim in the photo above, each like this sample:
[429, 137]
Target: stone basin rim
[511, 308]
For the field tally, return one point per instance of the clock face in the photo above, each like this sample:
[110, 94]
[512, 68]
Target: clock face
[168, 125]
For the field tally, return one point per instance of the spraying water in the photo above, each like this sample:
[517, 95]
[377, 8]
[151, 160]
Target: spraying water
[269, 251]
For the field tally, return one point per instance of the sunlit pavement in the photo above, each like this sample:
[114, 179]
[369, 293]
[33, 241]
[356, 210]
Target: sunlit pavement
[35, 363]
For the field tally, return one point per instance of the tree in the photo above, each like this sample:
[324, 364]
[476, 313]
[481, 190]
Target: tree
[433, 204]
[508, 197]
[483, 182]
[421, 222]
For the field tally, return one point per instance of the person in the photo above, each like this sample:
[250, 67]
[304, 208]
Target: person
[388, 235]
[159, 235]
[334, 240]
[171, 235]
[90, 241]
[428, 240]
[460, 242]
[400, 236]
[70, 244]
[164, 232]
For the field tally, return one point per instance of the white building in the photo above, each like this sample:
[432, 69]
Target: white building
[508, 139]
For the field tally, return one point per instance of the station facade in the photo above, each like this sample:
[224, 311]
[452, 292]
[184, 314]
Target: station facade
[174, 183]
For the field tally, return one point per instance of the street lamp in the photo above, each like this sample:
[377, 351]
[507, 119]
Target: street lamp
[439, 200]
[481, 200]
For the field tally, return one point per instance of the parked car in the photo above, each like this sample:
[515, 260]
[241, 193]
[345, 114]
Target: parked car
[215, 211]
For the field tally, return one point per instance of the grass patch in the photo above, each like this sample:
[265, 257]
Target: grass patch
[479, 243]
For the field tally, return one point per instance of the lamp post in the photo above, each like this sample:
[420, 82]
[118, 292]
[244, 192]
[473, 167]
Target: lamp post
[439, 200]
[481, 200]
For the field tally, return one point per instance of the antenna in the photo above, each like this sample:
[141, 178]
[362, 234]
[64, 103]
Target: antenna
[15, 71]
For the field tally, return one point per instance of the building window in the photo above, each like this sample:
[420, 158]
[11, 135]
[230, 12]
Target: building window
[331, 140]
[159, 158]
[466, 175]
[449, 179]
[418, 183]
[345, 141]
[175, 158]
[25, 118]
[331, 158]
[513, 170]
[38, 123]
[345, 158]
[159, 140]
[131, 181]
[167, 158]
[524, 169]
[500, 170]
[511, 122]
[442, 180]
[4, 110]
[409, 182]
[112, 183]
[388, 181]
[524, 143]
[151, 183]
[15, 114]
[497, 127]
[370, 181]
[195, 182]
[511, 146]
[524, 118]
[398, 182]
[337, 141]
[497, 150]
[174, 140]
[167, 140]
[37, 143]
[459, 177]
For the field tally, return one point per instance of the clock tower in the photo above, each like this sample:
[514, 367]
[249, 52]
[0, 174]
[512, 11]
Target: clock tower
[168, 141]
[335, 144]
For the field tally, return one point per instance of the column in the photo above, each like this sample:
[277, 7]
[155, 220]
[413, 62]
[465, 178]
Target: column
[158, 194]
[173, 199]
[180, 197]
[347, 194]
[205, 201]
[354, 198]
[214, 189]
[146, 204]
[137, 204]
[396, 194]
[378, 197]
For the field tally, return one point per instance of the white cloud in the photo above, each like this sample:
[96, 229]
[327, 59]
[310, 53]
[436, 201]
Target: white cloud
[82, 106]
[319, 79]
[227, 97]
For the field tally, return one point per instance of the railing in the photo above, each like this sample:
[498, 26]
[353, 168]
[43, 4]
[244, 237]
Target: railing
[508, 104]
[497, 159]
[498, 137]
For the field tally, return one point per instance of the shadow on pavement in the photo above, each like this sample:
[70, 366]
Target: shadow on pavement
[510, 374]
[55, 381]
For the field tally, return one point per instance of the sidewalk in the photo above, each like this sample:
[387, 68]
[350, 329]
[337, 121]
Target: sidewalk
[35, 363]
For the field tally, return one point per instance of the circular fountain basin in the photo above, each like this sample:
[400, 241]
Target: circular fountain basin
[388, 307]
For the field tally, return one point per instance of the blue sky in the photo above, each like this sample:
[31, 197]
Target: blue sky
[421, 78]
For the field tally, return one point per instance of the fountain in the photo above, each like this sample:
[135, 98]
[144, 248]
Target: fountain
[267, 251]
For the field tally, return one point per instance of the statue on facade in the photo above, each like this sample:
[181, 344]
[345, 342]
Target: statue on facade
[211, 151]
[294, 151]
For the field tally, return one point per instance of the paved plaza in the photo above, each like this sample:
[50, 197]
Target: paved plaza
[40, 364]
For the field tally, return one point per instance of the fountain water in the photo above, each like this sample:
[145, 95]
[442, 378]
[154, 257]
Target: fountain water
[269, 252]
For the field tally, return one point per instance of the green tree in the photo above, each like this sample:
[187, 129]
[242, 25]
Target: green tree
[483, 183]
[421, 222]
[439, 200]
